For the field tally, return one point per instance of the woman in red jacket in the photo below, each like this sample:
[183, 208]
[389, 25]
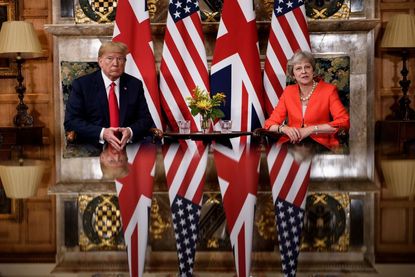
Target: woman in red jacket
[308, 109]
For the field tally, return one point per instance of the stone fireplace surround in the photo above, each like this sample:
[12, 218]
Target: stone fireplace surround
[352, 173]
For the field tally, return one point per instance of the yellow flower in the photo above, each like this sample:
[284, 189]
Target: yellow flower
[204, 105]
[201, 103]
[220, 97]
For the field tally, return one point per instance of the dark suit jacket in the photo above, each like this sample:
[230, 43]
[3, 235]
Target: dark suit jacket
[87, 108]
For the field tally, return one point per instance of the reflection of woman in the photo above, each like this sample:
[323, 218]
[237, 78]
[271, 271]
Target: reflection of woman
[308, 109]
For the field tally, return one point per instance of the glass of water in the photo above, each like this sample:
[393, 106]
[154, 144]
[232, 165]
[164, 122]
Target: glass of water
[226, 126]
[184, 126]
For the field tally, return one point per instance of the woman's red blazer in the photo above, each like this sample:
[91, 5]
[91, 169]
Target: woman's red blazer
[324, 106]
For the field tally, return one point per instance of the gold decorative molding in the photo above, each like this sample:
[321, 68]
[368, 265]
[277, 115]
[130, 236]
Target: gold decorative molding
[210, 16]
[335, 9]
[213, 243]
[269, 7]
[83, 201]
[266, 223]
[101, 223]
[100, 11]
[80, 16]
[152, 7]
[158, 225]
[213, 198]
[327, 222]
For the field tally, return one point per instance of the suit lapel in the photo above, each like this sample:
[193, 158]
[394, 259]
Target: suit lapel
[123, 99]
[102, 97]
[297, 101]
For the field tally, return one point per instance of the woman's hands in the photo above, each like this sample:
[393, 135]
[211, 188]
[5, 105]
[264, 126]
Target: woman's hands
[296, 134]
[292, 133]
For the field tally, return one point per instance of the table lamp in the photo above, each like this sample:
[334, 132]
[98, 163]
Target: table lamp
[18, 40]
[400, 36]
[21, 178]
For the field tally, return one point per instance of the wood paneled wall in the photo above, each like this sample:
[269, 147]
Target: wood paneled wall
[395, 224]
[31, 235]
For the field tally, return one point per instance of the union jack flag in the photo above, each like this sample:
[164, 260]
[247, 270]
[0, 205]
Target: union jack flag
[183, 67]
[135, 190]
[236, 72]
[289, 33]
[134, 193]
[289, 178]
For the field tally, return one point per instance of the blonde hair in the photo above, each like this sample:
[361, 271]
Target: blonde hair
[113, 46]
[113, 170]
[297, 58]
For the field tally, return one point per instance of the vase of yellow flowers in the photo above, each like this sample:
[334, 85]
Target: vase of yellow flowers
[201, 103]
[205, 123]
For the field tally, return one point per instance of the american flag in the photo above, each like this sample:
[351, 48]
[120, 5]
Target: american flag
[289, 224]
[135, 190]
[289, 178]
[236, 72]
[289, 33]
[183, 67]
[289, 182]
[185, 222]
[185, 176]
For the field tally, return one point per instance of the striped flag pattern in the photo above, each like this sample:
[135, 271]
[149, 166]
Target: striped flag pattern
[135, 190]
[185, 167]
[289, 33]
[236, 72]
[183, 67]
[289, 178]
[289, 182]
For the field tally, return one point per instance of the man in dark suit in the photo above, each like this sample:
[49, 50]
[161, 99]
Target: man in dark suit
[87, 110]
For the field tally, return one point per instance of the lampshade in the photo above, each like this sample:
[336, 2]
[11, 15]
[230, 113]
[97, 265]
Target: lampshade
[400, 32]
[21, 180]
[19, 37]
[399, 176]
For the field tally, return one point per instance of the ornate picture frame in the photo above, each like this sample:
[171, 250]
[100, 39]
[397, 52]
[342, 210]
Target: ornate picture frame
[8, 68]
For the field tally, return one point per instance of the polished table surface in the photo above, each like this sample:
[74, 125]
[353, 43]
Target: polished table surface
[211, 136]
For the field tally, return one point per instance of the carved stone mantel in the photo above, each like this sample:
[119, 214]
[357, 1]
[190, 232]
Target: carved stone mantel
[352, 25]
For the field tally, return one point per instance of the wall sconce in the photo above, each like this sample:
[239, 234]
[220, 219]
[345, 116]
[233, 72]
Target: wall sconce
[400, 36]
[18, 40]
[21, 178]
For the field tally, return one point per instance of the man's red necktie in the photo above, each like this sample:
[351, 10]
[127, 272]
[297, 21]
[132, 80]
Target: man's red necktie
[113, 107]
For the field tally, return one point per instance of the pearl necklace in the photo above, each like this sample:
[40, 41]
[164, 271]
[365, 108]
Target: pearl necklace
[304, 99]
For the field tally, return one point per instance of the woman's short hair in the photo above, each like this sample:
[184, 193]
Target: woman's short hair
[113, 46]
[298, 57]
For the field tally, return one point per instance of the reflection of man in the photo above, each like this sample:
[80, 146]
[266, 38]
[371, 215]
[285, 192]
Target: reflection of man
[90, 108]
[114, 163]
